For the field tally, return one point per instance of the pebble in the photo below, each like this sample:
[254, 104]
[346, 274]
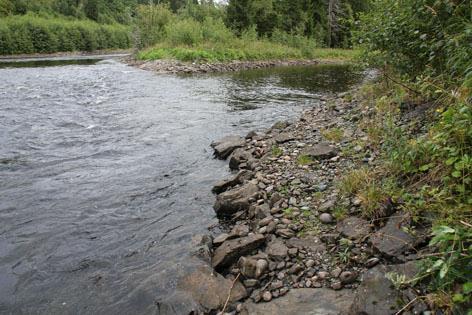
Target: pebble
[347, 277]
[267, 296]
[372, 262]
[323, 275]
[337, 285]
[336, 272]
[326, 218]
[309, 263]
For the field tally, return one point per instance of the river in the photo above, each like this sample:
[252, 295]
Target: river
[106, 174]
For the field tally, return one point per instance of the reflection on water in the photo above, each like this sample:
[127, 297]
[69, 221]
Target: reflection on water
[106, 175]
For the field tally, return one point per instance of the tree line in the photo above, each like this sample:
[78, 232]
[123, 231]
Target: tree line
[328, 23]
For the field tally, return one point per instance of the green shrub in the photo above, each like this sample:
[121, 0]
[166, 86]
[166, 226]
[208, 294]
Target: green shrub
[184, 32]
[151, 21]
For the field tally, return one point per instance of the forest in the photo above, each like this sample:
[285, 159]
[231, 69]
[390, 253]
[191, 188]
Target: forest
[35, 26]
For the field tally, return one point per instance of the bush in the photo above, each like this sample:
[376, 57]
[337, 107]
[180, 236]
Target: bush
[420, 37]
[215, 31]
[151, 21]
[184, 32]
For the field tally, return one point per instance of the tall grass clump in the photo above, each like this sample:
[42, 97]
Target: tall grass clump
[33, 34]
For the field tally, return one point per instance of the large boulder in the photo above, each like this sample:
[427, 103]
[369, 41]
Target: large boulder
[230, 251]
[209, 289]
[238, 157]
[224, 147]
[392, 240]
[320, 151]
[234, 200]
[304, 301]
[240, 178]
[354, 228]
[377, 295]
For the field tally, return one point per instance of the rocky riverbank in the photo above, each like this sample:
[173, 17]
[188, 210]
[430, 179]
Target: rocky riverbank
[287, 247]
[174, 66]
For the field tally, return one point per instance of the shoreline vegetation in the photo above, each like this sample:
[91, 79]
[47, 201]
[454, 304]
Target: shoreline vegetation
[364, 203]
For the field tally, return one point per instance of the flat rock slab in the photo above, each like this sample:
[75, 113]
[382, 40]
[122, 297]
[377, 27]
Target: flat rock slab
[304, 301]
[354, 228]
[225, 184]
[320, 151]
[210, 289]
[230, 251]
[284, 137]
[376, 295]
[234, 200]
[392, 240]
[311, 244]
[224, 147]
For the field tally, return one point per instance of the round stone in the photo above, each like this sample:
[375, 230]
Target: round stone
[326, 218]
[267, 296]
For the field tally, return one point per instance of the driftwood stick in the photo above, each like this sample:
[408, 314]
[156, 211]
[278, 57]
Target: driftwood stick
[229, 294]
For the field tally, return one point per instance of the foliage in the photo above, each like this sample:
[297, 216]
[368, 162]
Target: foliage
[304, 18]
[453, 265]
[276, 151]
[33, 34]
[151, 21]
[420, 37]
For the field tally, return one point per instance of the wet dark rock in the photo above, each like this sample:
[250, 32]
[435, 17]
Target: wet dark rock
[251, 135]
[391, 240]
[320, 151]
[354, 228]
[202, 245]
[240, 178]
[304, 301]
[230, 251]
[234, 200]
[225, 146]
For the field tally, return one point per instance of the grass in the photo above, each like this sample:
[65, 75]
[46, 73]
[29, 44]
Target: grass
[333, 134]
[241, 50]
[276, 151]
[305, 160]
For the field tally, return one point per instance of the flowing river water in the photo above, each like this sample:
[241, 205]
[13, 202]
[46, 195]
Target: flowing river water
[106, 174]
